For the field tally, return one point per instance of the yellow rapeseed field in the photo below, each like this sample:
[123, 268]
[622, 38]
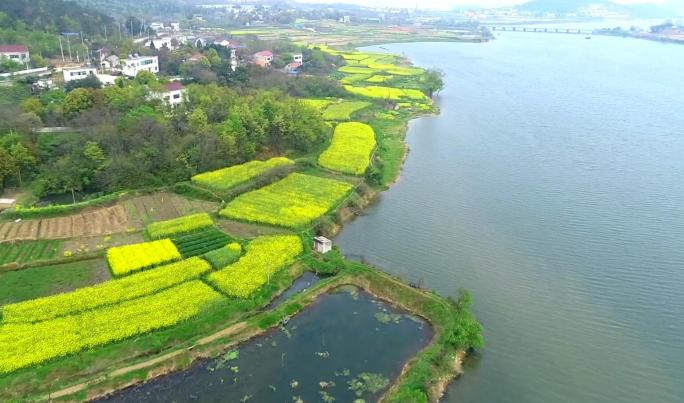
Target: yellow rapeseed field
[227, 178]
[26, 344]
[129, 258]
[263, 257]
[350, 150]
[295, 201]
[107, 293]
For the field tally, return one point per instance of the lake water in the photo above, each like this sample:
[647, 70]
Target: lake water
[552, 187]
[335, 340]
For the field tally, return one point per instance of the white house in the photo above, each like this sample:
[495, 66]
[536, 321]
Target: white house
[263, 58]
[17, 53]
[175, 26]
[298, 58]
[173, 95]
[135, 64]
[110, 63]
[157, 26]
[162, 42]
[78, 73]
[322, 244]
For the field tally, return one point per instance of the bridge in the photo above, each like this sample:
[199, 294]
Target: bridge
[576, 31]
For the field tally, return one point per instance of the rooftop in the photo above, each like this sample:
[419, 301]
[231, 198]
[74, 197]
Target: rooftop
[174, 86]
[264, 53]
[13, 48]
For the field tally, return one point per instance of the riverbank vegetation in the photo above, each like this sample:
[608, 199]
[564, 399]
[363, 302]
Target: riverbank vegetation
[184, 288]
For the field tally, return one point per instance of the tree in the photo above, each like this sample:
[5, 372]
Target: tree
[8, 166]
[88, 82]
[434, 81]
[24, 159]
[76, 101]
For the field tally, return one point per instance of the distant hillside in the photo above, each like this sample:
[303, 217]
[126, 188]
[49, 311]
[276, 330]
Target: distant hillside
[571, 6]
[148, 9]
[52, 16]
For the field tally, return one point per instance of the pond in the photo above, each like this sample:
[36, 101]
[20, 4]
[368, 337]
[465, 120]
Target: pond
[304, 282]
[346, 346]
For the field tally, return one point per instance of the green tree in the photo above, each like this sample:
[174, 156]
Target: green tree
[433, 81]
[24, 159]
[8, 166]
[77, 101]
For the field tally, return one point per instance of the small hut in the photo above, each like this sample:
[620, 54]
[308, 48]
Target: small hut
[322, 244]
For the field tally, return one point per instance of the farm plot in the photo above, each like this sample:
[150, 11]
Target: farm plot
[28, 251]
[344, 110]
[180, 225]
[264, 256]
[129, 258]
[293, 202]
[160, 206]
[319, 104]
[95, 222]
[107, 293]
[127, 214]
[26, 344]
[201, 242]
[224, 256]
[350, 150]
[396, 94]
[227, 178]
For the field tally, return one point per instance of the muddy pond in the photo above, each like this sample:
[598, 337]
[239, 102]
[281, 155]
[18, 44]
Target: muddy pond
[347, 346]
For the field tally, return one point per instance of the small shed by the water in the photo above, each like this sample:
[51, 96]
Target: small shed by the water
[322, 244]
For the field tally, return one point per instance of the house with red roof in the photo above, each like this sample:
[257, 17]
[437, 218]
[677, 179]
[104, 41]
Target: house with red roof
[263, 58]
[17, 53]
[175, 93]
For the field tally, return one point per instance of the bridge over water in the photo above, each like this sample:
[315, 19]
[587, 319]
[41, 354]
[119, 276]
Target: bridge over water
[576, 31]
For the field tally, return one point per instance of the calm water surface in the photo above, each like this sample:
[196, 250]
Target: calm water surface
[552, 187]
[342, 335]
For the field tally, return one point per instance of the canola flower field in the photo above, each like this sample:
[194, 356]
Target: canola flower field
[227, 178]
[344, 110]
[130, 258]
[350, 150]
[263, 257]
[180, 225]
[107, 293]
[379, 92]
[293, 202]
[26, 344]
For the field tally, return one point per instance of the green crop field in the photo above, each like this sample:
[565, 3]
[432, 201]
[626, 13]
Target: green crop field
[344, 110]
[201, 242]
[28, 251]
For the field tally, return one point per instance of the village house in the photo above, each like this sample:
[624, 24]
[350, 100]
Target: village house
[110, 63]
[17, 53]
[78, 73]
[293, 68]
[263, 58]
[175, 94]
[298, 58]
[135, 64]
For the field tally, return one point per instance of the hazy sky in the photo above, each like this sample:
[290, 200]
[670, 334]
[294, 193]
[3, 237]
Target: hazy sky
[447, 4]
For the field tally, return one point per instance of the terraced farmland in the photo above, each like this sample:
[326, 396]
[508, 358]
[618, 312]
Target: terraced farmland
[28, 251]
[131, 213]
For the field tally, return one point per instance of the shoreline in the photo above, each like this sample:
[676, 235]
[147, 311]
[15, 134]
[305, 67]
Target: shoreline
[181, 357]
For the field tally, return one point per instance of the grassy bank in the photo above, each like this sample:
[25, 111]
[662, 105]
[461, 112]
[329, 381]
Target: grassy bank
[98, 372]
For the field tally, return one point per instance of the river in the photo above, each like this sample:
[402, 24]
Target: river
[551, 186]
